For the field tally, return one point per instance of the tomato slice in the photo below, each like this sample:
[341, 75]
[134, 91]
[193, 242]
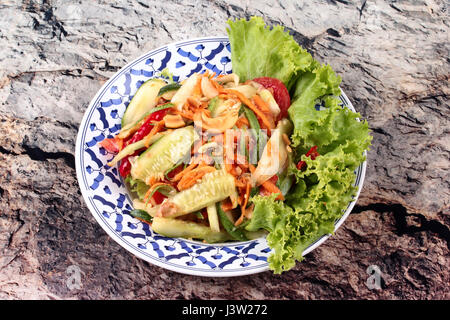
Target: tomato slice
[158, 197]
[280, 93]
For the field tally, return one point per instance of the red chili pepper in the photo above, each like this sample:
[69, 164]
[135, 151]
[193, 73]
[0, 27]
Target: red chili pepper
[144, 130]
[274, 179]
[158, 197]
[125, 167]
[312, 153]
[148, 125]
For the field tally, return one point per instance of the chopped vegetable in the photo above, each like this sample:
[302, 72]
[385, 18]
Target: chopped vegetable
[143, 101]
[171, 87]
[213, 218]
[274, 155]
[185, 91]
[233, 231]
[175, 228]
[213, 187]
[163, 154]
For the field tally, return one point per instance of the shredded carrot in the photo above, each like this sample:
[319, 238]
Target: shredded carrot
[238, 183]
[272, 188]
[156, 128]
[244, 205]
[216, 84]
[251, 167]
[204, 104]
[180, 175]
[142, 220]
[191, 178]
[242, 121]
[261, 103]
[212, 75]
[203, 159]
[194, 102]
[252, 106]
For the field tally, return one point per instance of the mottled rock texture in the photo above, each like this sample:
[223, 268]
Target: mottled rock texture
[393, 57]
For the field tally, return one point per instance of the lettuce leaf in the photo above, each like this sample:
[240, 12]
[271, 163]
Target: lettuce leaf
[258, 51]
[290, 230]
[137, 186]
[320, 196]
[310, 88]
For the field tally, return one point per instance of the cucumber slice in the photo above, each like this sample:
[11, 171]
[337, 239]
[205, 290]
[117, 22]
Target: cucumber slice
[213, 218]
[168, 91]
[131, 128]
[175, 228]
[163, 154]
[145, 99]
[131, 148]
[213, 187]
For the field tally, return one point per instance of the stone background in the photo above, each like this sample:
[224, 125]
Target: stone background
[393, 57]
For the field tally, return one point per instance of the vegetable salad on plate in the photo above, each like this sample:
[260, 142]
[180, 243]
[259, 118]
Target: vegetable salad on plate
[267, 150]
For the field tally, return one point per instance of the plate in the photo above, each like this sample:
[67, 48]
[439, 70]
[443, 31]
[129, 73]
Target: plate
[104, 190]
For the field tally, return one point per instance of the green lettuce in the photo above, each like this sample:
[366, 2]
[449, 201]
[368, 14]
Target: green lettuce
[137, 186]
[310, 87]
[258, 51]
[324, 188]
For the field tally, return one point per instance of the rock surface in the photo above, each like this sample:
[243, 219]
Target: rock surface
[393, 57]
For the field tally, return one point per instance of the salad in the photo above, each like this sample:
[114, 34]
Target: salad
[267, 150]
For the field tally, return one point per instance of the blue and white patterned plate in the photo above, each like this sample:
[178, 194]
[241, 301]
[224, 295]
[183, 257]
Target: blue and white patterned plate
[104, 190]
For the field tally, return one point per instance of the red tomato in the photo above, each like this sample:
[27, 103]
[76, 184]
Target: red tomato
[158, 197]
[175, 171]
[280, 93]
